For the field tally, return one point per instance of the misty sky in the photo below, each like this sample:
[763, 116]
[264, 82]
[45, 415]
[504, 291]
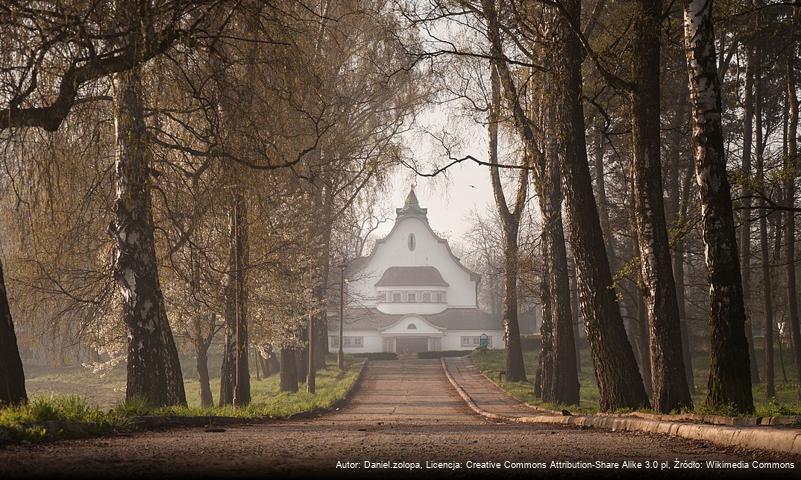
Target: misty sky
[452, 196]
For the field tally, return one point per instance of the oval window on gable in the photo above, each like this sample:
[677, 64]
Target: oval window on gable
[411, 326]
[412, 241]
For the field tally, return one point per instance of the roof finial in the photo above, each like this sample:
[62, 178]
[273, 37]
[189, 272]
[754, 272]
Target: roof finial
[411, 199]
[412, 205]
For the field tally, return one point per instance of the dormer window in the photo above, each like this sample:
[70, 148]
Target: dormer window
[411, 326]
[412, 242]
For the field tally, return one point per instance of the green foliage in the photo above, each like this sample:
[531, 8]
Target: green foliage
[722, 410]
[491, 362]
[50, 417]
[56, 417]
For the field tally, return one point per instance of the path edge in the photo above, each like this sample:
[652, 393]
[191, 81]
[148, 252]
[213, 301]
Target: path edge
[752, 438]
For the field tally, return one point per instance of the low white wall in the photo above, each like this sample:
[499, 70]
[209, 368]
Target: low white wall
[452, 340]
[372, 341]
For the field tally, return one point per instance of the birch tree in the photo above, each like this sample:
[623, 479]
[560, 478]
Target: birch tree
[729, 371]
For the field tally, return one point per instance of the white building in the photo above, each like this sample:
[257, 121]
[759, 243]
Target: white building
[412, 294]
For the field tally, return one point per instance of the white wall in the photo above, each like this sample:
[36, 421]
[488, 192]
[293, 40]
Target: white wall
[453, 339]
[372, 341]
[394, 251]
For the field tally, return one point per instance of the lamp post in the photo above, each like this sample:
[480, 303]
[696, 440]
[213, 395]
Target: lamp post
[341, 352]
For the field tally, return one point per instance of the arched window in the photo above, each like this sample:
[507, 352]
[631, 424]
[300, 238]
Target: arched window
[412, 241]
[411, 326]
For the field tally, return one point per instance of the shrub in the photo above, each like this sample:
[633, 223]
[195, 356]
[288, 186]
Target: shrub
[444, 353]
[377, 355]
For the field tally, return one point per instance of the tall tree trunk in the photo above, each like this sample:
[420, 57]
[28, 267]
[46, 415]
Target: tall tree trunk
[600, 193]
[729, 370]
[154, 371]
[202, 364]
[242, 375]
[228, 366]
[644, 343]
[764, 247]
[235, 372]
[619, 381]
[790, 165]
[321, 320]
[669, 384]
[745, 229]
[273, 362]
[302, 360]
[775, 218]
[564, 383]
[574, 307]
[678, 186]
[543, 386]
[289, 373]
[12, 376]
[543, 359]
[515, 367]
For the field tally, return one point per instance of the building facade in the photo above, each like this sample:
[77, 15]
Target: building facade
[412, 294]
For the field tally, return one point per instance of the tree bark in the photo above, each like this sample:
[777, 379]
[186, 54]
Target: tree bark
[600, 194]
[273, 363]
[745, 228]
[242, 375]
[729, 368]
[515, 367]
[764, 246]
[154, 371]
[12, 375]
[321, 291]
[289, 373]
[235, 372]
[574, 308]
[543, 358]
[302, 360]
[619, 381]
[202, 363]
[669, 384]
[678, 187]
[790, 162]
[564, 384]
[543, 386]
[644, 343]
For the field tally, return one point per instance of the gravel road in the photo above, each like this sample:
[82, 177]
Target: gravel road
[404, 411]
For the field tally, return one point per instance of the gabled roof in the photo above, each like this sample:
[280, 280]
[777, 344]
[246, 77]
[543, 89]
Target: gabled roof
[414, 316]
[411, 209]
[424, 276]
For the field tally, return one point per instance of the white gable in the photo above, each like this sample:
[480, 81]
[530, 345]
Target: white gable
[412, 326]
[412, 243]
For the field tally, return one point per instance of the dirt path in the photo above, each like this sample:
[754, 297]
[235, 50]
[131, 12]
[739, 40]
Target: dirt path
[404, 411]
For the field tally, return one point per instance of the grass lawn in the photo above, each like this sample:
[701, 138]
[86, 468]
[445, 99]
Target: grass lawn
[491, 362]
[66, 412]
